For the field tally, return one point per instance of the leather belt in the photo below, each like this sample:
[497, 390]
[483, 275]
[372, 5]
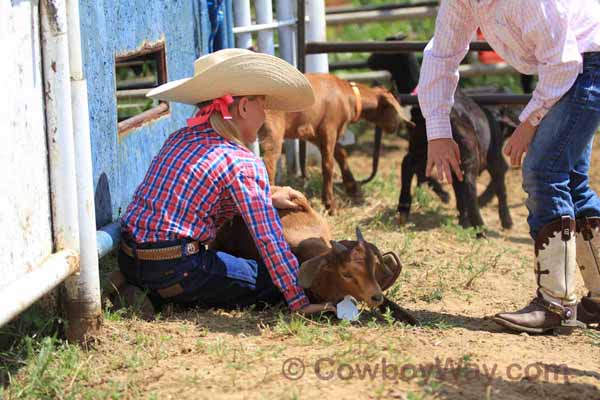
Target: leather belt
[165, 253]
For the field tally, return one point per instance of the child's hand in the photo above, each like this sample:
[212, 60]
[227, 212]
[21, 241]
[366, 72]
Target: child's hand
[283, 196]
[444, 155]
[316, 308]
[518, 143]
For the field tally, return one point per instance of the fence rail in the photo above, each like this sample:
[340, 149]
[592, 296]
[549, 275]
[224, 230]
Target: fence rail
[481, 99]
[379, 7]
[388, 46]
[381, 15]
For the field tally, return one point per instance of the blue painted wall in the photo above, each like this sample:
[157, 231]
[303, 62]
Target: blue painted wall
[111, 27]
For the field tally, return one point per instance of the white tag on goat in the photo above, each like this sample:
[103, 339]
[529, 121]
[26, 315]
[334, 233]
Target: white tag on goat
[346, 309]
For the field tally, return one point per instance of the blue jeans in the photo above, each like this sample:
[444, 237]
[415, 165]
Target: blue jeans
[208, 278]
[555, 170]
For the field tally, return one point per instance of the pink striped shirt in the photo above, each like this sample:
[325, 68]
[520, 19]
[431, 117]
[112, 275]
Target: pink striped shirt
[543, 37]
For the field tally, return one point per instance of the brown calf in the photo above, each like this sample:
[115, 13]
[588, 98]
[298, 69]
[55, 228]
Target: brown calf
[329, 270]
[337, 105]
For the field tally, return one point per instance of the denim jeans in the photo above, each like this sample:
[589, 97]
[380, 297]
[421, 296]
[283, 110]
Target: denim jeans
[555, 170]
[208, 278]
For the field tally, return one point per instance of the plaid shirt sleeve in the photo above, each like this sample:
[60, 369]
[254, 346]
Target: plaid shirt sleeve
[251, 192]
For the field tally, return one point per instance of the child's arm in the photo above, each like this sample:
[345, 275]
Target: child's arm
[251, 193]
[454, 29]
[545, 27]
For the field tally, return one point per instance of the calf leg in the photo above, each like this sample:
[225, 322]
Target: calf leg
[487, 195]
[498, 169]
[460, 194]
[398, 313]
[471, 203]
[405, 199]
[432, 183]
[349, 182]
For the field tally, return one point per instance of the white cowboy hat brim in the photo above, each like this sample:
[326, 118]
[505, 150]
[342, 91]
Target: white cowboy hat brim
[284, 87]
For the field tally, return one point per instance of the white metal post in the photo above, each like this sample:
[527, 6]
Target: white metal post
[287, 51]
[59, 128]
[241, 17]
[315, 32]
[85, 311]
[264, 15]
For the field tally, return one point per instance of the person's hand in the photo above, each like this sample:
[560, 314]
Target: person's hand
[283, 196]
[316, 308]
[519, 142]
[444, 155]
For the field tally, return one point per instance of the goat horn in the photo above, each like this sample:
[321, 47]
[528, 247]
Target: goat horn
[359, 235]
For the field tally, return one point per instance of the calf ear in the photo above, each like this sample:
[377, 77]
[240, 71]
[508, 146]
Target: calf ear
[309, 270]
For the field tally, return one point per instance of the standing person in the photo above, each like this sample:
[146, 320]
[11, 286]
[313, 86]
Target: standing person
[559, 40]
[203, 175]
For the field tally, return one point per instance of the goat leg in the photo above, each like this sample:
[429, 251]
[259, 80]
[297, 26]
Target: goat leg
[459, 193]
[399, 313]
[405, 199]
[488, 194]
[498, 169]
[350, 183]
[327, 164]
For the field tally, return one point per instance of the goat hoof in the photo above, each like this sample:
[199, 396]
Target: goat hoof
[402, 218]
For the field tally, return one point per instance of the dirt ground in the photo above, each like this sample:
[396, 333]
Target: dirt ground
[451, 281]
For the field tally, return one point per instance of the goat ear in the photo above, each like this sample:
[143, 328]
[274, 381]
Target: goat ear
[388, 98]
[309, 270]
[338, 247]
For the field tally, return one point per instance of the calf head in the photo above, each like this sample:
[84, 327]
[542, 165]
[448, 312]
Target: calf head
[403, 66]
[349, 268]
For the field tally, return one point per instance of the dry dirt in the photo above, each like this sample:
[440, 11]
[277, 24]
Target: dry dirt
[451, 281]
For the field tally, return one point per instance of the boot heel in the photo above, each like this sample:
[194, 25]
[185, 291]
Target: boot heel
[563, 330]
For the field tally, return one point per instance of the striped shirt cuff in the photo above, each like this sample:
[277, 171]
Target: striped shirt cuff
[295, 298]
[438, 127]
[534, 112]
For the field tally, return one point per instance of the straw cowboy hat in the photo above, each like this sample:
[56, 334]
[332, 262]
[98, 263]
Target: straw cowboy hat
[240, 72]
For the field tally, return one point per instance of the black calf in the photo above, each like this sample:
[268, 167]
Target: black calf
[478, 134]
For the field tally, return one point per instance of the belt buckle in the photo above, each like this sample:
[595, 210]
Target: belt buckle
[189, 248]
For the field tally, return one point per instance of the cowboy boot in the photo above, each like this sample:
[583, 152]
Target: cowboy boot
[555, 304]
[588, 259]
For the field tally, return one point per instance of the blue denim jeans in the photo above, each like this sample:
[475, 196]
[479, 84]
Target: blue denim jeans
[555, 170]
[208, 278]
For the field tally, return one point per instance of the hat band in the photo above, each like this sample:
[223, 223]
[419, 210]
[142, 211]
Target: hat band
[220, 104]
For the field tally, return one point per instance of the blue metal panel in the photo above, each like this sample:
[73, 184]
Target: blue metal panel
[111, 27]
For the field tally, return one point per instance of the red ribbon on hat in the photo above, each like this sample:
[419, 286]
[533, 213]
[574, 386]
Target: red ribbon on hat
[220, 104]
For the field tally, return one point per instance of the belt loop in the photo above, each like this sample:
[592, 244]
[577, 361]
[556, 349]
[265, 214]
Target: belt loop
[184, 249]
[138, 264]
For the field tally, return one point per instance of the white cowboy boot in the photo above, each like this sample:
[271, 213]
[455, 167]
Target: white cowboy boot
[588, 259]
[555, 305]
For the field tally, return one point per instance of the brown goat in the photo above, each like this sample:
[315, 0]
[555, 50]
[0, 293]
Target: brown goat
[329, 270]
[323, 124]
